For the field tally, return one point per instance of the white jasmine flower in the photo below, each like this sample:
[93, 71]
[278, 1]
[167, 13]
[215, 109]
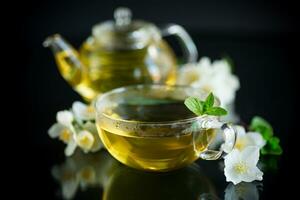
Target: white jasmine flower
[65, 118]
[248, 139]
[85, 140]
[241, 165]
[76, 129]
[63, 130]
[213, 77]
[71, 146]
[245, 191]
[83, 111]
[91, 127]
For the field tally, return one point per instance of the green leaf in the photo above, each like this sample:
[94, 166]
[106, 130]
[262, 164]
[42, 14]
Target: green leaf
[194, 105]
[272, 147]
[274, 142]
[260, 122]
[204, 107]
[217, 111]
[209, 101]
[260, 125]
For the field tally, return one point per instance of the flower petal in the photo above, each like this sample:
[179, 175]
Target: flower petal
[240, 131]
[83, 111]
[91, 127]
[230, 161]
[253, 174]
[205, 61]
[188, 75]
[231, 175]
[71, 146]
[257, 139]
[231, 158]
[69, 188]
[55, 130]
[85, 140]
[258, 173]
[65, 118]
[250, 155]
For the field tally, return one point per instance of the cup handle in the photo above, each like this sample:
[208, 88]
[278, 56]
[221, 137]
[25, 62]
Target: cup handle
[229, 134]
[185, 40]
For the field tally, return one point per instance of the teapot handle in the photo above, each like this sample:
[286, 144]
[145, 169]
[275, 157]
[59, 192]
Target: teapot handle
[185, 40]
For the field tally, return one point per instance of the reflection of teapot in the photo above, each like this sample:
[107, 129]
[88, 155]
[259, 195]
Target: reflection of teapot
[121, 182]
[119, 53]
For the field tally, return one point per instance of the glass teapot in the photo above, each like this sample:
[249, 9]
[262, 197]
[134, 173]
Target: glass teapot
[119, 53]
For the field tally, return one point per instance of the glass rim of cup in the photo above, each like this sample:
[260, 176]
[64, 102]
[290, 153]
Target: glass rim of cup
[100, 98]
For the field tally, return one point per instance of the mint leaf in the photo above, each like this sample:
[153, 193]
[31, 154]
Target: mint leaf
[209, 101]
[217, 111]
[194, 105]
[260, 125]
[274, 142]
[204, 107]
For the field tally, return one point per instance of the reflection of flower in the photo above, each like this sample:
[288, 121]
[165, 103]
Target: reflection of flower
[63, 130]
[241, 165]
[245, 191]
[66, 174]
[81, 171]
[77, 128]
[87, 176]
[213, 77]
[248, 139]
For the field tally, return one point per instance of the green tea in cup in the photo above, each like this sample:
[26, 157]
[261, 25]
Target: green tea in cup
[148, 127]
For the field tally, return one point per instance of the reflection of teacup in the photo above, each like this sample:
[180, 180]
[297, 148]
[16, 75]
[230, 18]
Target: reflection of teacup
[148, 127]
[187, 183]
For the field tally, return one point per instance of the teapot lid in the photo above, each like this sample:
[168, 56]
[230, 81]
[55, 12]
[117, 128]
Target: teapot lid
[124, 33]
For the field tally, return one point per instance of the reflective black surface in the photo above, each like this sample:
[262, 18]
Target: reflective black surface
[100, 176]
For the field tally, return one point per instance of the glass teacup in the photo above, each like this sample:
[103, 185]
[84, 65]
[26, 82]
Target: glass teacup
[148, 127]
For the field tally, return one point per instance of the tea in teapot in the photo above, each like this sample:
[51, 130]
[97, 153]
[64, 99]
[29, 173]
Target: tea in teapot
[119, 53]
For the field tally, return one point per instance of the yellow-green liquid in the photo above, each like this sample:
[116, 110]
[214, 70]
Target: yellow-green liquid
[161, 150]
[102, 70]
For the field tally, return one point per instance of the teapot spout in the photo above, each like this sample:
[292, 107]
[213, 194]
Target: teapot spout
[67, 59]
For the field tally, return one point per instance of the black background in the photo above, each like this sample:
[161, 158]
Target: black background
[258, 35]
